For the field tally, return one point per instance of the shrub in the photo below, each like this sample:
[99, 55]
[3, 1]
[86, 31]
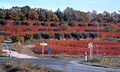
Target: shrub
[67, 36]
[76, 35]
[92, 25]
[3, 22]
[56, 29]
[62, 24]
[46, 36]
[58, 36]
[71, 24]
[44, 24]
[42, 29]
[109, 28]
[25, 23]
[36, 23]
[17, 23]
[53, 24]
[36, 36]
[82, 25]
[14, 38]
[28, 29]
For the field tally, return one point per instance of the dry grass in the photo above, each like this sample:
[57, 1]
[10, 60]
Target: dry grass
[113, 62]
[23, 66]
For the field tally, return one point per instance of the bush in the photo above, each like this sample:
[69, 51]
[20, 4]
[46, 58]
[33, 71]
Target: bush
[3, 22]
[28, 29]
[76, 35]
[46, 36]
[58, 36]
[93, 35]
[44, 24]
[36, 36]
[54, 24]
[17, 23]
[62, 24]
[109, 28]
[56, 29]
[27, 37]
[71, 24]
[82, 25]
[85, 35]
[36, 23]
[92, 25]
[14, 38]
[67, 36]
[25, 23]
[42, 29]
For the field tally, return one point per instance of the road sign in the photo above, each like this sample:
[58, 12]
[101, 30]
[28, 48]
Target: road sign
[90, 45]
[49, 50]
[43, 44]
[6, 45]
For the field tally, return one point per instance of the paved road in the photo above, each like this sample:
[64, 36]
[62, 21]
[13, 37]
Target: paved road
[66, 65]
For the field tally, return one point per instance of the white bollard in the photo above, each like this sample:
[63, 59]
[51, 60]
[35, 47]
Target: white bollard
[86, 58]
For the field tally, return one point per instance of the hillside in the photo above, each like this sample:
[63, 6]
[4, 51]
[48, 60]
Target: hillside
[67, 32]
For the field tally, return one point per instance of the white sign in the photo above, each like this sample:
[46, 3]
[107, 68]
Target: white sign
[90, 45]
[43, 44]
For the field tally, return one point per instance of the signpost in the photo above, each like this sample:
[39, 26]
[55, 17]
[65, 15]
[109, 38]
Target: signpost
[90, 46]
[43, 44]
[7, 45]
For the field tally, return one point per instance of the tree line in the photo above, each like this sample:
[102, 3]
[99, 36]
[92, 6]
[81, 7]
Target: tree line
[57, 35]
[69, 14]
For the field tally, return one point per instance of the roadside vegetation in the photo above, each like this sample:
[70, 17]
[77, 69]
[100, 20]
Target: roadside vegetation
[23, 66]
[103, 61]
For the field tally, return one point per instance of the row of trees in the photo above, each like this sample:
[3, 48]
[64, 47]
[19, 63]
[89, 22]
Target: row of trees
[23, 13]
[59, 35]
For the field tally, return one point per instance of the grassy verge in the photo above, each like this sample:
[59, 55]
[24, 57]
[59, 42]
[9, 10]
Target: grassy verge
[109, 62]
[23, 66]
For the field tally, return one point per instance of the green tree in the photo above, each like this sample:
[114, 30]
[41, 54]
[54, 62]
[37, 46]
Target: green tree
[46, 36]
[54, 24]
[59, 14]
[2, 15]
[67, 36]
[58, 36]
[14, 38]
[71, 24]
[77, 35]
[36, 23]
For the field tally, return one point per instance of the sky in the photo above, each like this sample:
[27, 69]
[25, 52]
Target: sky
[82, 5]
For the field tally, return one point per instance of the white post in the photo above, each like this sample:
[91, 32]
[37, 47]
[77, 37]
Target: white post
[86, 59]
[91, 51]
[43, 51]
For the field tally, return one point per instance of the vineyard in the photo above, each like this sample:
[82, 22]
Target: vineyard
[73, 39]
[75, 47]
[67, 32]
